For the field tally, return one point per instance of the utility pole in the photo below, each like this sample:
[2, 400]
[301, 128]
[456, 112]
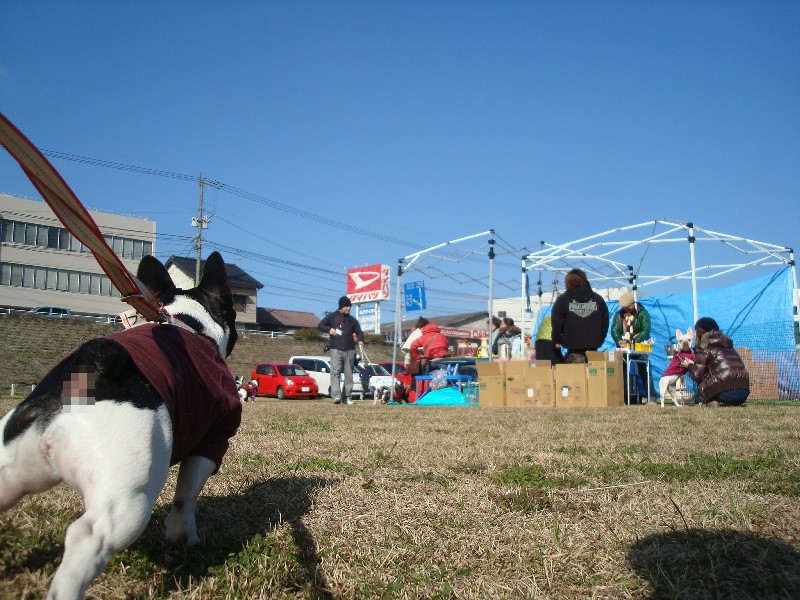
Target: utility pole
[201, 222]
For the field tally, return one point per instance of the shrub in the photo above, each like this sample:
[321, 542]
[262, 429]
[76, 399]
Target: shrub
[308, 335]
[374, 338]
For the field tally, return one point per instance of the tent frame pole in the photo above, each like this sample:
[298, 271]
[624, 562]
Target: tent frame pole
[693, 262]
[491, 295]
[398, 319]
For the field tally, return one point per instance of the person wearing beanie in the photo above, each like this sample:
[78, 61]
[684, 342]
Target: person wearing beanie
[631, 322]
[344, 331]
[579, 318]
[717, 367]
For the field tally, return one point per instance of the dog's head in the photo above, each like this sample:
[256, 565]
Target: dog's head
[684, 340]
[208, 308]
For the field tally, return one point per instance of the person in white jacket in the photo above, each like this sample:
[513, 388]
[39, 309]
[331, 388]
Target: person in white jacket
[414, 335]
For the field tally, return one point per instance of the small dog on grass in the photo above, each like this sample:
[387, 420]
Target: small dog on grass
[674, 371]
[111, 418]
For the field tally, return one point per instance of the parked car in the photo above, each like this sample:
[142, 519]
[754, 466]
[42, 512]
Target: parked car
[56, 312]
[284, 381]
[399, 368]
[379, 377]
[319, 367]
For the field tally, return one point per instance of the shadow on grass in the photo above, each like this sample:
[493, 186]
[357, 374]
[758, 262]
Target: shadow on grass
[236, 530]
[716, 564]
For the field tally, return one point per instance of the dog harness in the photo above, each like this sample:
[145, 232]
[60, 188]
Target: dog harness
[189, 374]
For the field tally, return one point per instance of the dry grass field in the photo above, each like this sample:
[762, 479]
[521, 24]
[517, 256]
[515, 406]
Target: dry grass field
[371, 501]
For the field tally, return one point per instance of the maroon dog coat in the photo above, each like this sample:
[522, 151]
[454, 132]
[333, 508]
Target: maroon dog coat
[191, 377]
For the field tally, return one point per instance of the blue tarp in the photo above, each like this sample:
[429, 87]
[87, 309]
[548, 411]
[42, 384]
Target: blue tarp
[449, 396]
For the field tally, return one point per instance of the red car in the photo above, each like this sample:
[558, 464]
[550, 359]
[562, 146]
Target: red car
[284, 381]
[399, 368]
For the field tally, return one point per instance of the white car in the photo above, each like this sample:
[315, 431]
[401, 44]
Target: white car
[319, 367]
[379, 377]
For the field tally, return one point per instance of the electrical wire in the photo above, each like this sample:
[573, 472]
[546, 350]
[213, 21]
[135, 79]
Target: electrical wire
[258, 199]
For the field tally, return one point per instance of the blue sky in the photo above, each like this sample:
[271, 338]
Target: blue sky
[394, 126]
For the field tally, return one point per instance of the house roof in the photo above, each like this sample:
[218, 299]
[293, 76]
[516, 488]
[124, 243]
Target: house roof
[236, 276]
[449, 321]
[277, 317]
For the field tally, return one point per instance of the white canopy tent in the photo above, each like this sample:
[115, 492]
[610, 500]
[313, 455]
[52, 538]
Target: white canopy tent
[623, 257]
[615, 258]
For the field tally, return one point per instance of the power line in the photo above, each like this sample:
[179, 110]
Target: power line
[115, 165]
[234, 191]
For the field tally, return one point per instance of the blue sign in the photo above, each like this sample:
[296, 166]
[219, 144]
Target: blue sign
[367, 317]
[414, 295]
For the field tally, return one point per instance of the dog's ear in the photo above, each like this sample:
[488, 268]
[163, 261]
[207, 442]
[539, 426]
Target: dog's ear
[154, 275]
[215, 276]
[689, 332]
[678, 334]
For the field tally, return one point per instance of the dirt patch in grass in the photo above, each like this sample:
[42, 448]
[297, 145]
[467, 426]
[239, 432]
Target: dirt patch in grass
[363, 501]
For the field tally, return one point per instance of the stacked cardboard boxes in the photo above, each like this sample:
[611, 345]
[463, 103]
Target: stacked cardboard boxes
[537, 384]
[763, 376]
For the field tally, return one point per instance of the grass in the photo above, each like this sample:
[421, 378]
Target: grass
[365, 501]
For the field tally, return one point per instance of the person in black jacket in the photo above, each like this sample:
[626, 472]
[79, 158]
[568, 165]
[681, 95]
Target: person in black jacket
[344, 330]
[580, 318]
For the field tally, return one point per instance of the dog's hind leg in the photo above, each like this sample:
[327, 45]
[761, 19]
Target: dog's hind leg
[23, 466]
[192, 476]
[117, 458]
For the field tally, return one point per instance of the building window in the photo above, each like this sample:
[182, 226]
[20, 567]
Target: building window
[45, 278]
[63, 280]
[239, 303]
[40, 278]
[18, 237]
[58, 238]
[16, 275]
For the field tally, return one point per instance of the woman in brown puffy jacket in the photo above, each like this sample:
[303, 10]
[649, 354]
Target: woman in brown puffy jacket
[717, 367]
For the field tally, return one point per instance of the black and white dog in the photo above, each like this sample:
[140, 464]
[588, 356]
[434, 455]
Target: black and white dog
[111, 418]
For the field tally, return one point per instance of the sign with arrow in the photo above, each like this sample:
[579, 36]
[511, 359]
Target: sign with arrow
[414, 293]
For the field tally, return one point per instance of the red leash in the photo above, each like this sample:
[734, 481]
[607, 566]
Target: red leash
[77, 220]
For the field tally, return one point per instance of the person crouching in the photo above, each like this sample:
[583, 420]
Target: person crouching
[717, 367]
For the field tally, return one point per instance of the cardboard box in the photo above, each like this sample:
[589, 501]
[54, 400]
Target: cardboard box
[491, 391]
[490, 368]
[539, 387]
[515, 369]
[515, 392]
[604, 380]
[570, 386]
[515, 381]
[491, 383]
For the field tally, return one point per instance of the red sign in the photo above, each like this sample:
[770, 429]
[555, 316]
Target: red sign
[368, 284]
[470, 334]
